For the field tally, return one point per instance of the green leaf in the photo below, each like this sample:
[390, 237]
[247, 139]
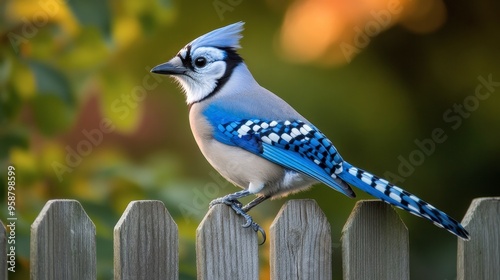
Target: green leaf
[122, 99]
[87, 52]
[50, 81]
[93, 13]
[3, 10]
[51, 114]
[10, 104]
[14, 137]
[148, 23]
[167, 4]
[5, 69]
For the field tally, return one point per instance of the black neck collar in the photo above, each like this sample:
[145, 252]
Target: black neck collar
[232, 59]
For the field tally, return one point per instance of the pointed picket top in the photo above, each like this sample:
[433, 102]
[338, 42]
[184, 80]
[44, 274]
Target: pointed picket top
[63, 242]
[375, 243]
[301, 245]
[225, 249]
[479, 258]
[146, 243]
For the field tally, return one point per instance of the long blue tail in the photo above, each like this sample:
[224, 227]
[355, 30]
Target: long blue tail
[400, 198]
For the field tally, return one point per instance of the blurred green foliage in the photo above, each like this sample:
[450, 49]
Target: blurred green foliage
[81, 117]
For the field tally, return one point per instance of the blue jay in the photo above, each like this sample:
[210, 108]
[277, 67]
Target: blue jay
[260, 143]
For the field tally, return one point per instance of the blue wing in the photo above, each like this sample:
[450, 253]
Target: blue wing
[292, 144]
[301, 147]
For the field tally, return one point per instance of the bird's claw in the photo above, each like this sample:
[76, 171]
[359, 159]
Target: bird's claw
[256, 228]
[237, 208]
[249, 222]
[253, 225]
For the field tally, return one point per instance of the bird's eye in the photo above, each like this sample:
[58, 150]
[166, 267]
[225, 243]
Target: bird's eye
[200, 62]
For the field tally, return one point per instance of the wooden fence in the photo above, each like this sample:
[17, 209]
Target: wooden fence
[374, 243]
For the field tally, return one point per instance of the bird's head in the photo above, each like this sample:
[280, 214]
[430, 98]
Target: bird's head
[203, 66]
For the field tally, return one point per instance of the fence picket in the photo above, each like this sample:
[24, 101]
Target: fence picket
[301, 246]
[3, 251]
[146, 243]
[375, 243]
[224, 249]
[479, 258]
[63, 242]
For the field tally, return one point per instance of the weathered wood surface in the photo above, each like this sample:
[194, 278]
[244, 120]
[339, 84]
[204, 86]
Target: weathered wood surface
[63, 242]
[300, 242]
[3, 251]
[375, 243]
[146, 243]
[224, 249]
[479, 258]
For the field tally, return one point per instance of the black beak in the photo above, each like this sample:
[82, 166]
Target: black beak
[168, 68]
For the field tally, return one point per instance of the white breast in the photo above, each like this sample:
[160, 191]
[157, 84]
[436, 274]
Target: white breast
[233, 163]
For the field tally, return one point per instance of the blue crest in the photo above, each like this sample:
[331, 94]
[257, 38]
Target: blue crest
[224, 37]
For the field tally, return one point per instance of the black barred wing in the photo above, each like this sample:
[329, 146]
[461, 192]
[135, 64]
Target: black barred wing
[293, 144]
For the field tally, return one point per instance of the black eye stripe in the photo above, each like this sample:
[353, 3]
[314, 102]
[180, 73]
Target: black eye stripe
[186, 61]
[232, 60]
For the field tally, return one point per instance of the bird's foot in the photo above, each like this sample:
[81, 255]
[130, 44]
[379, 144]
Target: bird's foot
[228, 200]
[231, 200]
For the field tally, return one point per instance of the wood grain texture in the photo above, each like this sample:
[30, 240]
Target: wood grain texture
[63, 242]
[3, 251]
[375, 243]
[301, 246]
[224, 249]
[479, 258]
[146, 243]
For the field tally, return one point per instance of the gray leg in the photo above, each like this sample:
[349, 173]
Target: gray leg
[255, 202]
[232, 200]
